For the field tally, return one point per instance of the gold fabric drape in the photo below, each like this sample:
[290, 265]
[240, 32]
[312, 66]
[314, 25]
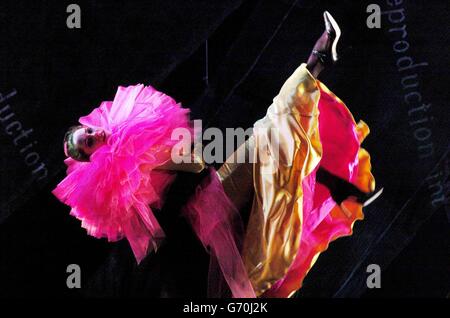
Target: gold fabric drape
[275, 225]
[285, 148]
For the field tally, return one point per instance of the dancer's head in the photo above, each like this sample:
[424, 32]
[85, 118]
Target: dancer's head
[81, 141]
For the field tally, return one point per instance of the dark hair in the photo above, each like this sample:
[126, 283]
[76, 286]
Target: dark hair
[70, 149]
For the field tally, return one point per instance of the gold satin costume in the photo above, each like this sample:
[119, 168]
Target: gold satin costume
[274, 229]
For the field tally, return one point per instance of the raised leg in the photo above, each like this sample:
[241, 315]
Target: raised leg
[324, 51]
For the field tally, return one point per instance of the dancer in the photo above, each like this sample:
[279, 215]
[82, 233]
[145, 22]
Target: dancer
[309, 192]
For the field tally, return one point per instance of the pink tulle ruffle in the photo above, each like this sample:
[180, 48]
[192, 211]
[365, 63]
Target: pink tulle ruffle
[113, 194]
[218, 225]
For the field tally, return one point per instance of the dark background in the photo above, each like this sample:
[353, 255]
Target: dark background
[60, 74]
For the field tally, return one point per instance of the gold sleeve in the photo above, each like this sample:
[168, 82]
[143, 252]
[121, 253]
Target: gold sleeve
[196, 165]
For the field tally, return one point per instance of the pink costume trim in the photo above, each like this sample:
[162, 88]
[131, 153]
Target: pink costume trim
[218, 225]
[114, 193]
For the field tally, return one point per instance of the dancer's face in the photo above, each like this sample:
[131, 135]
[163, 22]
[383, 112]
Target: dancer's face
[87, 139]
